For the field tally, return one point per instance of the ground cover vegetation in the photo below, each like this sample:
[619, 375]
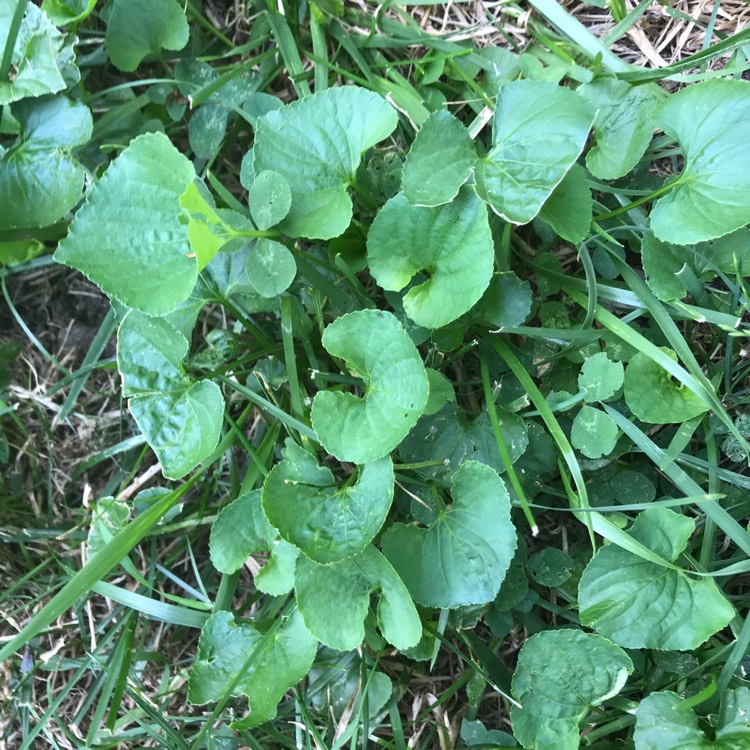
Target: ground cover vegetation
[403, 397]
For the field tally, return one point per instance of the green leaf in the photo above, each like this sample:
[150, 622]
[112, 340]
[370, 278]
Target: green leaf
[129, 241]
[138, 28]
[181, 419]
[271, 268]
[507, 301]
[316, 144]
[594, 432]
[569, 209]
[270, 199]
[462, 558]
[453, 243]
[40, 179]
[441, 392]
[623, 127]
[539, 131]
[439, 162]
[654, 397]
[711, 197]
[640, 604]
[334, 600]
[301, 499]
[560, 675]
[283, 658]
[600, 377]
[376, 347]
[550, 567]
[42, 60]
[240, 530]
[64, 12]
[664, 722]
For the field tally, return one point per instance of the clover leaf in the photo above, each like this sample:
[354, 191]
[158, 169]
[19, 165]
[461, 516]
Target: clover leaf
[301, 499]
[640, 604]
[654, 397]
[180, 418]
[40, 179]
[600, 378]
[593, 432]
[334, 600]
[316, 144]
[664, 722]
[462, 558]
[711, 196]
[559, 677]
[453, 243]
[138, 28]
[130, 241]
[284, 656]
[539, 131]
[376, 347]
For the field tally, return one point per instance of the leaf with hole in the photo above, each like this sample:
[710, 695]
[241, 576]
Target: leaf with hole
[180, 418]
[640, 604]
[376, 347]
[316, 144]
[451, 243]
[560, 676]
[462, 558]
[328, 523]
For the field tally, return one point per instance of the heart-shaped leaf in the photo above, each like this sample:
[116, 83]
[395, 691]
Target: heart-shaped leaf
[559, 677]
[376, 347]
[640, 604]
[453, 243]
[223, 663]
[137, 28]
[462, 558]
[711, 197]
[130, 241]
[539, 131]
[40, 179]
[334, 600]
[439, 162]
[181, 419]
[327, 523]
[316, 144]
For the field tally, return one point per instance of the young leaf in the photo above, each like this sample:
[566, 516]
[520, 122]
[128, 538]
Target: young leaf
[376, 347]
[301, 499]
[270, 199]
[129, 241]
[138, 28]
[569, 209]
[270, 267]
[711, 197]
[181, 419]
[40, 180]
[42, 61]
[600, 377]
[663, 722]
[640, 604]
[283, 658]
[654, 397]
[64, 12]
[316, 144]
[439, 162]
[334, 600]
[539, 131]
[462, 558]
[594, 432]
[623, 127]
[453, 243]
[560, 675]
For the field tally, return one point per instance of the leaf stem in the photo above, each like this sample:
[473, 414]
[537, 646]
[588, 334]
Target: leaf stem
[639, 201]
[502, 447]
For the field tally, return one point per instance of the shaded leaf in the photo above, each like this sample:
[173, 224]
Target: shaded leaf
[507, 301]
[569, 209]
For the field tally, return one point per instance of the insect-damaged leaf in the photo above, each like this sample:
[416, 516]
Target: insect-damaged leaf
[376, 347]
[640, 604]
[131, 241]
[328, 523]
[453, 243]
[180, 418]
[462, 558]
[316, 144]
